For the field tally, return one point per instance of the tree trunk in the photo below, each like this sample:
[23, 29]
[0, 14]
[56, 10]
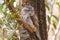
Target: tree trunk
[42, 19]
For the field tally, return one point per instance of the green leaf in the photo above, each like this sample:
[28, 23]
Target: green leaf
[56, 17]
[1, 21]
[12, 1]
[5, 13]
[13, 15]
[0, 27]
[54, 24]
[18, 19]
[49, 19]
[57, 3]
[1, 7]
[9, 19]
[47, 6]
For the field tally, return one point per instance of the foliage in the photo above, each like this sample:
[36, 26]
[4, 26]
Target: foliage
[47, 6]
[57, 3]
[8, 23]
[54, 22]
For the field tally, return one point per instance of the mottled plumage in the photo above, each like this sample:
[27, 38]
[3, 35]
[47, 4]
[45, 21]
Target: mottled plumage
[29, 17]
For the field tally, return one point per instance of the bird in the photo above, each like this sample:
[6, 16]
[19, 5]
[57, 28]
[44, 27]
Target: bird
[29, 17]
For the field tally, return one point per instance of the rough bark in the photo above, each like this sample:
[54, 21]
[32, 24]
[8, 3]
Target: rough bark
[40, 11]
[42, 19]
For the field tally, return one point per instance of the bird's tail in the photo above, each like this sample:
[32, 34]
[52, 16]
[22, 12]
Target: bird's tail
[36, 35]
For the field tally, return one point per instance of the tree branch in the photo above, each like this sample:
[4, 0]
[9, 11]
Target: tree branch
[12, 9]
